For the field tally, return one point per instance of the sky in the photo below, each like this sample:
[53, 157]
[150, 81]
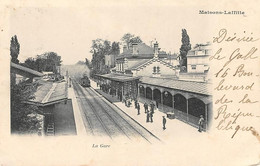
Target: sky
[69, 31]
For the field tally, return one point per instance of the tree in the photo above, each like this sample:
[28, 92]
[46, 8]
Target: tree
[128, 39]
[136, 39]
[100, 48]
[14, 49]
[185, 47]
[30, 63]
[115, 49]
[21, 123]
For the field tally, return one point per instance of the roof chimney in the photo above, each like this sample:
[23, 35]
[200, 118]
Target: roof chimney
[156, 50]
[134, 48]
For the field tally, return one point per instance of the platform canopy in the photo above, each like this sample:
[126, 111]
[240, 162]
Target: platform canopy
[188, 86]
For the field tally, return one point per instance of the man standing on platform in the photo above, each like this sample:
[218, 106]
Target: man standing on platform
[151, 116]
[145, 107]
[147, 116]
[152, 107]
[157, 104]
[138, 108]
[164, 122]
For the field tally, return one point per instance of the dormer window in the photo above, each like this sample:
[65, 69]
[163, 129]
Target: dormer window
[156, 69]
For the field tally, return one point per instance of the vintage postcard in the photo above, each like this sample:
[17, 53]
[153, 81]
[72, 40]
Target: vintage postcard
[130, 83]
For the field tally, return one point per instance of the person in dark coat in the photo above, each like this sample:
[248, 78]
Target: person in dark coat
[164, 122]
[151, 116]
[157, 104]
[138, 108]
[145, 107]
[135, 103]
[147, 116]
[125, 101]
[152, 107]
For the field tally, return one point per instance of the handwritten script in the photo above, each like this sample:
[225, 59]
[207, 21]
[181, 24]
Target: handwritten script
[235, 75]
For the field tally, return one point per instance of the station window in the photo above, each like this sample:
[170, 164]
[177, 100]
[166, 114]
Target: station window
[156, 69]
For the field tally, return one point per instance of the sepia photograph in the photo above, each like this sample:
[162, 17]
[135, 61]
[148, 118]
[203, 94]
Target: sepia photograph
[128, 87]
[90, 83]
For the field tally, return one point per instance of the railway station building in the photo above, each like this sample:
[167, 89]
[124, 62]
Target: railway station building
[145, 74]
[137, 61]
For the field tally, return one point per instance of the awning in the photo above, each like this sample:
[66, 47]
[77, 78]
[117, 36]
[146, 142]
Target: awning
[189, 86]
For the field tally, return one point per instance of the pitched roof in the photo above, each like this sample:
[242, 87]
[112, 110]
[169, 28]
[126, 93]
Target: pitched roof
[190, 86]
[143, 63]
[144, 51]
[137, 63]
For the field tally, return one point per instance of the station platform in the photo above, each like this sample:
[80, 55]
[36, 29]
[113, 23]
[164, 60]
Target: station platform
[64, 119]
[175, 128]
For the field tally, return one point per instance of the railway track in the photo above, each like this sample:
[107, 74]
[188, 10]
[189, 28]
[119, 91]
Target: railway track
[93, 121]
[127, 126]
[102, 118]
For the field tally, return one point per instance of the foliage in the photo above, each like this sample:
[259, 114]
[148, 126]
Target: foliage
[21, 123]
[115, 49]
[185, 47]
[14, 49]
[45, 62]
[128, 39]
[100, 48]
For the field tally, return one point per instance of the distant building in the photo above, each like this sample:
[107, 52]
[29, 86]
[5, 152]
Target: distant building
[198, 68]
[198, 58]
[142, 60]
[151, 75]
[110, 60]
[138, 61]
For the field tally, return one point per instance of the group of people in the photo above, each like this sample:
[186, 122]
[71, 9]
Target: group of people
[149, 113]
[127, 101]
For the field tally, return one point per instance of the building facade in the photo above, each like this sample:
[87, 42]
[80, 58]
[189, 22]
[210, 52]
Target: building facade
[110, 60]
[198, 58]
[138, 61]
[146, 74]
